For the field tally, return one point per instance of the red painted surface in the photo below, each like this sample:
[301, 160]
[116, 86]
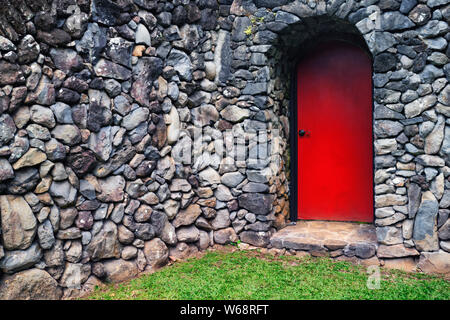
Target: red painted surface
[335, 157]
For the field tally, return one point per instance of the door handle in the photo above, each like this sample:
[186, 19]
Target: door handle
[302, 132]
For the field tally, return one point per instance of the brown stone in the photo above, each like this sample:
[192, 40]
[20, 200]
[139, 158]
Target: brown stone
[138, 50]
[187, 216]
[31, 158]
[10, 73]
[435, 262]
[210, 202]
[406, 264]
[120, 270]
[258, 239]
[17, 221]
[82, 162]
[396, 251]
[112, 189]
[182, 251]
[104, 244]
[156, 252]
[33, 284]
[334, 244]
[225, 236]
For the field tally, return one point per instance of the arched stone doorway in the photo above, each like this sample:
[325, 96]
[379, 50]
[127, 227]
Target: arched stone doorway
[402, 103]
[283, 56]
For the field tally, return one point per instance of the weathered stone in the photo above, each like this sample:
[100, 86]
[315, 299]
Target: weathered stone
[28, 50]
[396, 217]
[55, 37]
[45, 235]
[387, 128]
[444, 231]
[10, 73]
[420, 14]
[31, 158]
[395, 21]
[258, 239]
[221, 220]
[225, 236]
[33, 284]
[24, 180]
[142, 35]
[18, 222]
[143, 213]
[55, 150]
[181, 63]
[430, 161]
[204, 115]
[434, 140]
[188, 234]
[360, 250]
[389, 235]
[82, 163]
[101, 143]
[108, 69]
[120, 270]
[84, 220]
[136, 117]
[125, 236]
[434, 262]
[425, 229]
[173, 128]
[119, 51]
[63, 193]
[418, 106]
[67, 60]
[112, 189]
[180, 251]
[156, 252]
[105, 244]
[7, 129]
[208, 177]
[129, 252]
[395, 251]
[6, 171]
[384, 62]
[414, 196]
[256, 202]
[255, 187]
[385, 146]
[18, 260]
[144, 72]
[68, 134]
[187, 216]
[168, 234]
[92, 42]
[107, 12]
[69, 234]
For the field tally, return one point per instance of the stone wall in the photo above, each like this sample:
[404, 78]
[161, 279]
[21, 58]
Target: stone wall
[135, 130]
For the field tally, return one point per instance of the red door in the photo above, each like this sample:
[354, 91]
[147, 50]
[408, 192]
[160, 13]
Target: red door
[335, 155]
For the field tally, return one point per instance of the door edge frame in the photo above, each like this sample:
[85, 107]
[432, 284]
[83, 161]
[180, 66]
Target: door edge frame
[293, 185]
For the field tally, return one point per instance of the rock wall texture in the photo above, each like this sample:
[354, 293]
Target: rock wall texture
[135, 130]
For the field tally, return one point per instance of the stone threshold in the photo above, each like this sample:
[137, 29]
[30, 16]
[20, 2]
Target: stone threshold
[328, 238]
[356, 243]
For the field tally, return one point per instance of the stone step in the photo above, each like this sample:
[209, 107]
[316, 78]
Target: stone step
[355, 239]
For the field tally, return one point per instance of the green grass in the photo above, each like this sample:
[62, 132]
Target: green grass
[253, 275]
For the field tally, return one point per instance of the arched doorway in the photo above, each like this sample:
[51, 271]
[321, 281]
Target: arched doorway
[334, 133]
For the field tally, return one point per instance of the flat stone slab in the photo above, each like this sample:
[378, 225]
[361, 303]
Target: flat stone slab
[324, 235]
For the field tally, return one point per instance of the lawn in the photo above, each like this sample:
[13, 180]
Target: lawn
[252, 275]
